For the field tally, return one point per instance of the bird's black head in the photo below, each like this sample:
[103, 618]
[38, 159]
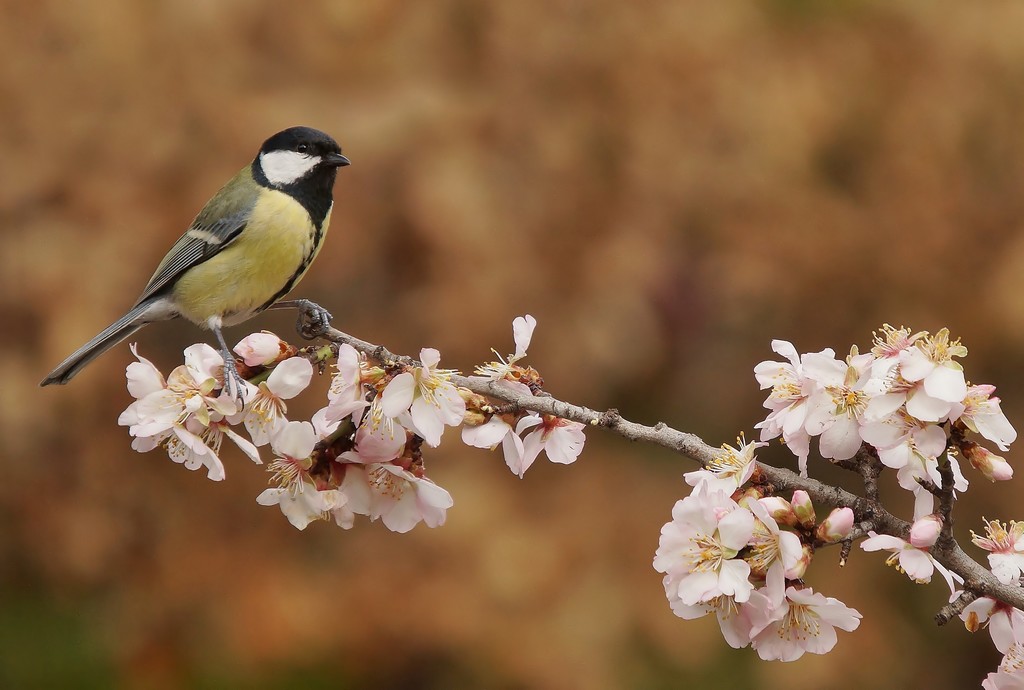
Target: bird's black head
[298, 157]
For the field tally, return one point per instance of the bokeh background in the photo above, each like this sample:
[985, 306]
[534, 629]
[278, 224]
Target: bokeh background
[665, 185]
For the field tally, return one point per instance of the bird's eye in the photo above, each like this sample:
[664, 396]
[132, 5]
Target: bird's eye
[302, 148]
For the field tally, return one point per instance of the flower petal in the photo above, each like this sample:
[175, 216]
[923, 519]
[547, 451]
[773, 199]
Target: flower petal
[922, 406]
[946, 383]
[427, 420]
[290, 377]
[295, 440]
[522, 333]
[398, 395]
[430, 357]
[487, 435]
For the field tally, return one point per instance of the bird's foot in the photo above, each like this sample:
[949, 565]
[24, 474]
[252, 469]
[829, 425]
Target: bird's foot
[314, 321]
[234, 385]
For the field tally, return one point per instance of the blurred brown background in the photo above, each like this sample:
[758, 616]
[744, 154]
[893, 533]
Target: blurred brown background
[666, 185]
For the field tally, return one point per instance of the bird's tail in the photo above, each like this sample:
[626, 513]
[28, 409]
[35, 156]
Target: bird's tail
[136, 318]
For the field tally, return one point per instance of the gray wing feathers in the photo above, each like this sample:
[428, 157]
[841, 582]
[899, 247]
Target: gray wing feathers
[195, 246]
[216, 226]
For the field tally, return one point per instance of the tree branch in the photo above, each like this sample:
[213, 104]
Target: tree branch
[978, 580]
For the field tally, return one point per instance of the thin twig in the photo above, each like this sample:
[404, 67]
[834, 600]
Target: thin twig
[946, 499]
[955, 607]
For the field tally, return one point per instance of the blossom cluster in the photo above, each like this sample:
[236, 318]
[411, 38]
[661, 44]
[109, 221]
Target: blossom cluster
[907, 399]
[362, 452]
[736, 548]
[742, 555]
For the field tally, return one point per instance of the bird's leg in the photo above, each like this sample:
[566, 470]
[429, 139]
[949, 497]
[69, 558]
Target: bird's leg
[234, 384]
[313, 320]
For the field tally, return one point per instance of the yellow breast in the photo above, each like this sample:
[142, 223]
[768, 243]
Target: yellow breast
[267, 259]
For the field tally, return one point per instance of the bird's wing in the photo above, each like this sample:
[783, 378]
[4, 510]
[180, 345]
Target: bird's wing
[217, 225]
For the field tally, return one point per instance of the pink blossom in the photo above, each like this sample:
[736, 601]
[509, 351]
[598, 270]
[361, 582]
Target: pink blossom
[302, 503]
[377, 443]
[836, 408]
[787, 401]
[980, 412]
[888, 346]
[890, 395]
[803, 622]
[1005, 624]
[398, 497]
[522, 334]
[798, 571]
[347, 394]
[561, 440]
[293, 444]
[770, 549]
[265, 407]
[1005, 545]
[494, 431]
[729, 470]
[942, 380]
[321, 426]
[427, 395]
[737, 620]
[916, 562]
[181, 413]
[909, 446]
[698, 549]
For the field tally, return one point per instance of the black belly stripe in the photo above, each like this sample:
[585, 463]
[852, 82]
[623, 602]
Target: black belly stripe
[315, 195]
[318, 237]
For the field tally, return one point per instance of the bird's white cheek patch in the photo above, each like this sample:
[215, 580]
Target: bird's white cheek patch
[286, 167]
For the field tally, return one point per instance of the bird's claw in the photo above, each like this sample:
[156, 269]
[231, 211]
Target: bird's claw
[313, 321]
[234, 385]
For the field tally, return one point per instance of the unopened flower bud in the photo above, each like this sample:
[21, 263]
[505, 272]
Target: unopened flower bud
[780, 509]
[925, 531]
[804, 509]
[837, 526]
[799, 568]
[994, 467]
[260, 349]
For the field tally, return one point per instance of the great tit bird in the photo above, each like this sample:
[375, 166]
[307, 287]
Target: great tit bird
[247, 248]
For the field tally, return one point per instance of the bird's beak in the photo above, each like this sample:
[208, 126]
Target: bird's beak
[336, 160]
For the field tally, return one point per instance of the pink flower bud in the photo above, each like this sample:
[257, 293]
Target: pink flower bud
[993, 466]
[837, 526]
[925, 531]
[780, 509]
[799, 568]
[258, 349]
[804, 509]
